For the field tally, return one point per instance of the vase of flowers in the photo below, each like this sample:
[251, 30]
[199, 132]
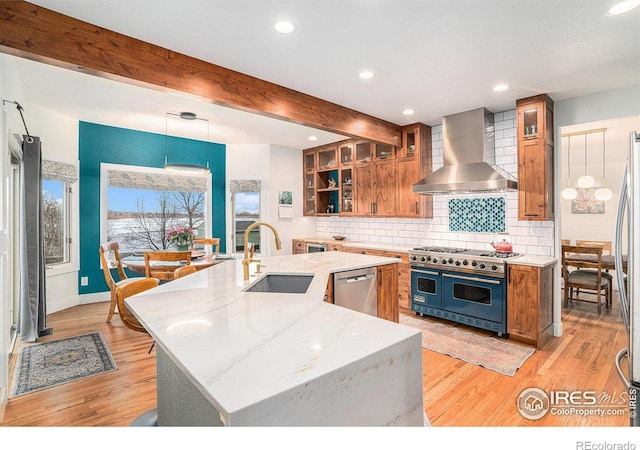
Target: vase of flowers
[181, 237]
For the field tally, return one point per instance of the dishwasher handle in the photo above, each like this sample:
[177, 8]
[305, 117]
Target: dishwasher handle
[356, 278]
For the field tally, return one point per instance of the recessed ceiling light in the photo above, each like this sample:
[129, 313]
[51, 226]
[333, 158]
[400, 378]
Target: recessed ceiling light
[365, 75]
[313, 138]
[408, 112]
[284, 27]
[623, 7]
[500, 87]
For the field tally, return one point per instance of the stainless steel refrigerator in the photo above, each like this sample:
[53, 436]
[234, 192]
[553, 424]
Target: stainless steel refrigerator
[629, 219]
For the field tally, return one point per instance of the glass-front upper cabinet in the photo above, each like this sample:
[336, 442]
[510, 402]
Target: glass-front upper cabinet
[364, 151]
[309, 160]
[384, 151]
[327, 158]
[345, 150]
[530, 122]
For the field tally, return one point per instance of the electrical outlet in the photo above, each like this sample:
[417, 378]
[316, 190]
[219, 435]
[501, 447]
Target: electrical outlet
[84, 281]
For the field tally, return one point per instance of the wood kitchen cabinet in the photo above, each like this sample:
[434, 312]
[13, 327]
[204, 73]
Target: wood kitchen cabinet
[530, 303]
[375, 192]
[309, 182]
[413, 162]
[387, 279]
[534, 123]
[404, 278]
[372, 179]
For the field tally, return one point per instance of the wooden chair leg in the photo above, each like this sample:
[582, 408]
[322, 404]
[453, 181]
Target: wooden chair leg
[112, 306]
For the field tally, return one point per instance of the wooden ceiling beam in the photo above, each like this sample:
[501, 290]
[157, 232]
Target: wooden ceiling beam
[37, 33]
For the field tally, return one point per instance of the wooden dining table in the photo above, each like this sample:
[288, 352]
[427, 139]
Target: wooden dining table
[199, 259]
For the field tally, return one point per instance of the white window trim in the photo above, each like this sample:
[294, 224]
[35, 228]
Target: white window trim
[104, 173]
[72, 216]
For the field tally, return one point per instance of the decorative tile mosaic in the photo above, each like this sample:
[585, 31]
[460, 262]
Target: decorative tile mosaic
[479, 215]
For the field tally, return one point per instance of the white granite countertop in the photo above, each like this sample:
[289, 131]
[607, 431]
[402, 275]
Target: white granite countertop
[532, 260]
[240, 348]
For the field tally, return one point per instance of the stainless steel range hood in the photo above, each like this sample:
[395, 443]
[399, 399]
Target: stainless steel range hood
[469, 158]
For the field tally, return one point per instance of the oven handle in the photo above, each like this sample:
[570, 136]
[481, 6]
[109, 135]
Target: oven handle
[481, 280]
[426, 272]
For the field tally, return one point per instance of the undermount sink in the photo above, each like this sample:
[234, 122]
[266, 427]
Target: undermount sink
[285, 283]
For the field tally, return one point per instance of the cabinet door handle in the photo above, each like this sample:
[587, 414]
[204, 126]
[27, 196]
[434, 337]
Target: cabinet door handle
[417, 212]
[532, 215]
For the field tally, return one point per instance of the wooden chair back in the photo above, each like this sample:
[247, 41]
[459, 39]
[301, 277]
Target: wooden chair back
[110, 259]
[213, 242]
[583, 280]
[127, 290]
[566, 242]
[164, 272]
[184, 271]
[606, 245]
[574, 251]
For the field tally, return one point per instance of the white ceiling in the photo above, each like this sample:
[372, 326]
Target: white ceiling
[435, 57]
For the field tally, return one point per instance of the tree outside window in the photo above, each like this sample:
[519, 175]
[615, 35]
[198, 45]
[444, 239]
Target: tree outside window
[55, 201]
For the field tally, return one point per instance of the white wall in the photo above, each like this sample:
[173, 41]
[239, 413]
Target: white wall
[600, 227]
[533, 238]
[279, 169]
[286, 175]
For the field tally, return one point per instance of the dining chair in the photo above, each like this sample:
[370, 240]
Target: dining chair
[606, 250]
[592, 283]
[110, 259]
[213, 242]
[184, 271]
[127, 290]
[167, 263]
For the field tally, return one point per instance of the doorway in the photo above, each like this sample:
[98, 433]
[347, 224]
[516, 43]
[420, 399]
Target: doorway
[597, 149]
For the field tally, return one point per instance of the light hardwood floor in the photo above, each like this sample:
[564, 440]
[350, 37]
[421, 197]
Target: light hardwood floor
[455, 393]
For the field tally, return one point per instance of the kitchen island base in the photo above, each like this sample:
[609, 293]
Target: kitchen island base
[383, 389]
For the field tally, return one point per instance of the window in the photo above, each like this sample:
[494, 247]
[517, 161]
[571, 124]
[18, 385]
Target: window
[143, 204]
[246, 210]
[57, 179]
[55, 214]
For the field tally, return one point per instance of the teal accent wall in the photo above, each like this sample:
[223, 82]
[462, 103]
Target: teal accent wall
[103, 144]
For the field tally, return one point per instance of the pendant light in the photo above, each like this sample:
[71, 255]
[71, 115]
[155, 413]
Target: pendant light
[603, 193]
[585, 181]
[569, 193]
[178, 167]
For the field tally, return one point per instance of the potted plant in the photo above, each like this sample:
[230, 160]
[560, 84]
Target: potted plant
[181, 237]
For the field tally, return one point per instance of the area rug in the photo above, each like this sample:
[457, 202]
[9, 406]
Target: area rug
[49, 364]
[487, 351]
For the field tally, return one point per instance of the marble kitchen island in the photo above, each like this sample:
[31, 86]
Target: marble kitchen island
[236, 358]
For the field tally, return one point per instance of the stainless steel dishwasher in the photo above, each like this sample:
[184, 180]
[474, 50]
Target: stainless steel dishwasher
[357, 290]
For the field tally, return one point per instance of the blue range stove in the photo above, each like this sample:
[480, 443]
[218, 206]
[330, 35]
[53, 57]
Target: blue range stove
[461, 285]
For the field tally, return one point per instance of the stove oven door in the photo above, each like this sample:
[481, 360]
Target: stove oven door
[475, 296]
[426, 289]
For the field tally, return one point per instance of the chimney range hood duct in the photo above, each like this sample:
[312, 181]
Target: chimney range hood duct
[469, 158]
